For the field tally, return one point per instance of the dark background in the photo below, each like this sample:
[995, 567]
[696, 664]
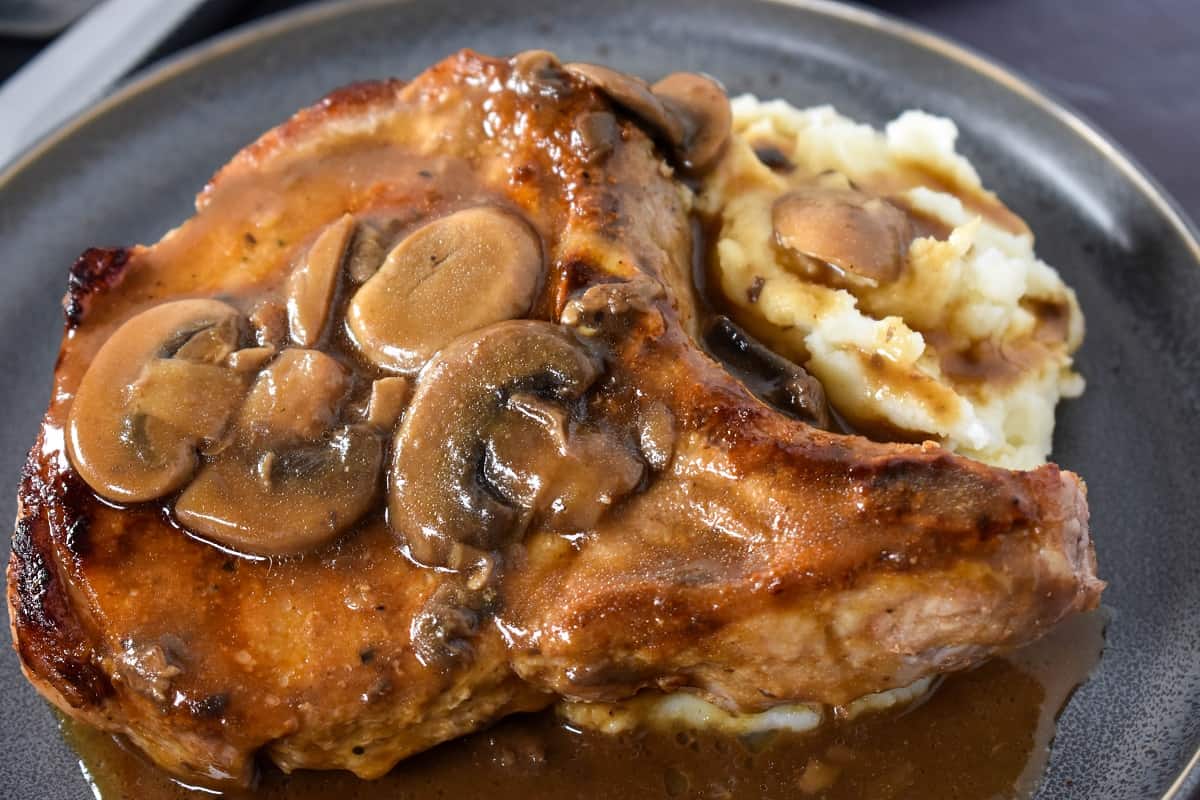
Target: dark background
[1132, 67]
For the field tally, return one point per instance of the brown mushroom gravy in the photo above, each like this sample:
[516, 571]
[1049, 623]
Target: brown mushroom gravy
[981, 734]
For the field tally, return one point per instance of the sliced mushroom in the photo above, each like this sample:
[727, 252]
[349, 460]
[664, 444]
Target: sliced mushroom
[294, 479]
[568, 477]
[270, 323]
[604, 305]
[294, 500]
[368, 248]
[297, 397]
[250, 359]
[773, 378]
[436, 498]
[388, 398]
[700, 104]
[443, 630]
[148, 668]
[538, 73]
[856, 239]
[211, 345]
[311, 285]
[196, 399]
[594, 135]
[115, 439]
[635, 95]
[452, 276]
[690, 112]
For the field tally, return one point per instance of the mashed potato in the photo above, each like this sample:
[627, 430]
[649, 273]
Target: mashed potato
[969, 346]
[687, 711]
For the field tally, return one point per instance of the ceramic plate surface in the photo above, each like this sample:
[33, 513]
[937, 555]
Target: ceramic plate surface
[127, 172]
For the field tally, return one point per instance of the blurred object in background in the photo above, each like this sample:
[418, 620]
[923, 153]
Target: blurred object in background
[100, 49]
[40, 18]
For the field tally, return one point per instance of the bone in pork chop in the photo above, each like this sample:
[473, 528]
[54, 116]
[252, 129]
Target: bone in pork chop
[467, 300]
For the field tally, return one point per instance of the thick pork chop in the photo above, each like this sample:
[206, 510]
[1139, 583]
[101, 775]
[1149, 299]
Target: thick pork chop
[580, 501]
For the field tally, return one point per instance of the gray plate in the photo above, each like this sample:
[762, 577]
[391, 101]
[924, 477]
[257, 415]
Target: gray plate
[127, 171]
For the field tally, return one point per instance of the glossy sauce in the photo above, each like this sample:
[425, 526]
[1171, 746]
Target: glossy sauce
[981, 734]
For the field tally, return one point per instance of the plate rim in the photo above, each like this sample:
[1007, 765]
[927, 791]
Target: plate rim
[1007, 78]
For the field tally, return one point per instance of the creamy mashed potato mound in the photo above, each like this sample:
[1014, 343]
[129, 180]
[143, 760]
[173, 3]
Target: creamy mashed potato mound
[969, 346]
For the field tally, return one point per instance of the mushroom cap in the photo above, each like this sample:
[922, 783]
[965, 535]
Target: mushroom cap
[456, 274]
[636, 96]
[309, 495]
[702, 106]
[296, 398]
[125, 454]
[863, 237]
[435, 496]
[311, 285]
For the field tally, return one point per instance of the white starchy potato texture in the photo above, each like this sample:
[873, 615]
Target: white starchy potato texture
[682, 710]
[882, 352]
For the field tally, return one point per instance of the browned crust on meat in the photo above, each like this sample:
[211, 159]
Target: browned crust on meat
[56, 651]
[97, 270]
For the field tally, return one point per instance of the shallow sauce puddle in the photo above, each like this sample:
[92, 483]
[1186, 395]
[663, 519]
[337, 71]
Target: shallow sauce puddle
[981, 734]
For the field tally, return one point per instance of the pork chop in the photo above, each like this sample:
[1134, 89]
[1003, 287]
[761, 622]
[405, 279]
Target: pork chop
[581, 502]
